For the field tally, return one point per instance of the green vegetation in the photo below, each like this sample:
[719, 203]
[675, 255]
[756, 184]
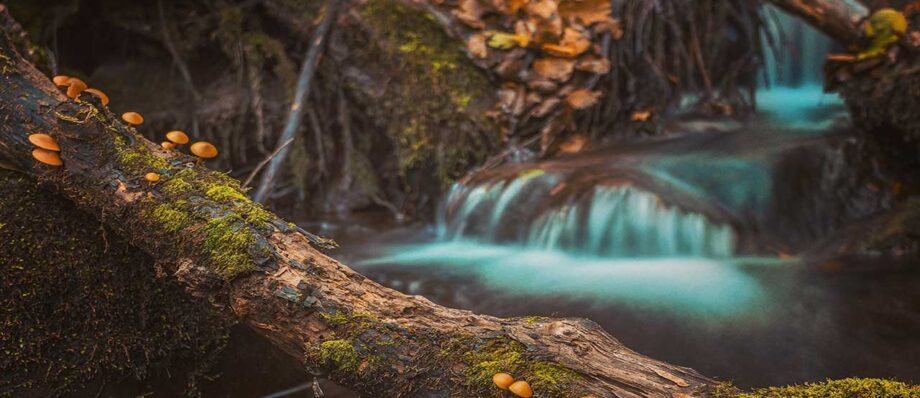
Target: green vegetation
[843, 388]
[228, 241]
[341, 353]
[172, 220]
[551, 379]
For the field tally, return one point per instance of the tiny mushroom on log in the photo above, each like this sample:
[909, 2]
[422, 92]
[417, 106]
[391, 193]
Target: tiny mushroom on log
[44, 141]
[522, 389]
[502, 380]
[177, 137]
[75, 87]
[47, 157]
[168, 145]
[133, 118]
[61, 80]
[102, 97]
[152, 177]
[203, 150]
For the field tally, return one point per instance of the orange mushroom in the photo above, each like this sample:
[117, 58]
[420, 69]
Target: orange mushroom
[104, 98]
[521, 389]
[177, 137]
[502, 380]
[168, 145]
[47, 157]
[61, 80]
[44, 141]
[152, 177]
[203, 149]
[75, 87]
[133, 118]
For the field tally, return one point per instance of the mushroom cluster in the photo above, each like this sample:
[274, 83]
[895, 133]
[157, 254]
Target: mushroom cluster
[75, 87]
[46, 150]
[506, 382]
[201, 149]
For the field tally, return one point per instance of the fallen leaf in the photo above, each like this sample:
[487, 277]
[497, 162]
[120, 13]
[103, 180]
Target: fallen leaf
[640, 116]
[506, 41]
[513, 6]
[543, 9]
[532, 99]
[596, 65]
[572, 44]
[582, 98]
[477, 45]
[552, 68]
[574, 144]
[612, 26]
[586, 12]
[470, 13]
[547, 106]
[543, 86]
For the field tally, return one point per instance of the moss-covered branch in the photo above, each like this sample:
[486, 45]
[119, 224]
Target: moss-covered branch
[230, 252]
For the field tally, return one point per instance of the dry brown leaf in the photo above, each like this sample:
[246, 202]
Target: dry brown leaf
[573, 43]
[532, 99]
[512, 6]
[641, 116]
[545, 107]
[585, 12]
[574, 144]
[612, 26]
[543, 9]
[596, 65]
[558, 69]
[582, 98]
[470, 13]
[477, 45]
[542, 86]
[506, 97]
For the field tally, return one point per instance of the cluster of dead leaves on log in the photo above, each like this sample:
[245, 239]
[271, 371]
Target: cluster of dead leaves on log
[548, 53]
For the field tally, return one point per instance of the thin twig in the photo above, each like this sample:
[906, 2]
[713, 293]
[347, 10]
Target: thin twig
[265, 161]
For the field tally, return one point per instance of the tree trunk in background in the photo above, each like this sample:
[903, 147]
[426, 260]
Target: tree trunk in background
[839, 19]
[229, 251]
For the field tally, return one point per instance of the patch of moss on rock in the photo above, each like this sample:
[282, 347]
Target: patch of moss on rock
[843, 388]
[435, 101]
[551, 379]
[138, 159]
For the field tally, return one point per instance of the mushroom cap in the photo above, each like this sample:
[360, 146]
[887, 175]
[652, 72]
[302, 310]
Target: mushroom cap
[44, 141]
[47, 157]
[502, 380]
[521, 389]
[75, 87]
[104, 98]
[168, 145]
[203, 149]
[152, 177]
[61, 80]
[133, 118]
[177, 137]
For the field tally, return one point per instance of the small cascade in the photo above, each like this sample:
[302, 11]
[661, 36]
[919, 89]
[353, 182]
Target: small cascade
[612, 221]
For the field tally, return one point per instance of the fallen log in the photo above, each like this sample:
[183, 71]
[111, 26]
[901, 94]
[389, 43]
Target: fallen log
[225, 249]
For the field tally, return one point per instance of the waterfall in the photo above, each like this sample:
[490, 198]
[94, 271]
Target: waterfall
[613, 221]
[800, 51]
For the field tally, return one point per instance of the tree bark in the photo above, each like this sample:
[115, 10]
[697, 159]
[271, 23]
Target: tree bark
[839, 19]
[228, 250]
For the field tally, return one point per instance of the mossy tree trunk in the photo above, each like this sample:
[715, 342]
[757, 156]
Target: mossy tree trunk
[223, 248]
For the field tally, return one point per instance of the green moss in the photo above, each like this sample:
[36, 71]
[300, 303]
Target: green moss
[844, 388]
[430, 109]
[497, 355]
[137, 159]
[551, 379]
[175, 186]
[171, 219]
[250, 211]
[225, 194]
[531, 320]
[350, 323]
[228, 241]
[341, 353]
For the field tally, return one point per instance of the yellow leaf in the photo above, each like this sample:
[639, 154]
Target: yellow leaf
[507, 41]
